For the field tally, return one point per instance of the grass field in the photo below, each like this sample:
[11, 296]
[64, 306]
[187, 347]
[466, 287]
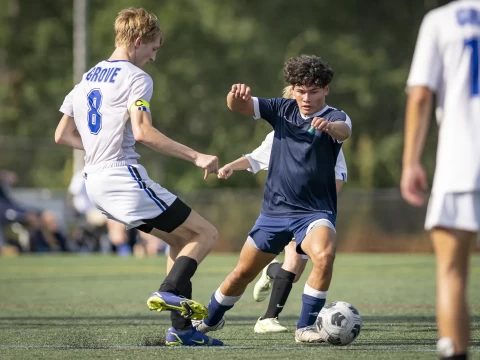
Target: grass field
[83, 307]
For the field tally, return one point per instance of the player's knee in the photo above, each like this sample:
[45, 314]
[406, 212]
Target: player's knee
[242, 274]
[209, 234]
[323, 258]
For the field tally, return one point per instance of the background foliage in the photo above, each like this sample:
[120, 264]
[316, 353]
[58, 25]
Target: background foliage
[210, 45]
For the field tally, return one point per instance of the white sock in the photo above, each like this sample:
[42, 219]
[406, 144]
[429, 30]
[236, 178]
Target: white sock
[307, 290]
[445, 347]
[226, 300]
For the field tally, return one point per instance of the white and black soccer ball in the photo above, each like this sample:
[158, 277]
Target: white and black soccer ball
[339, 323]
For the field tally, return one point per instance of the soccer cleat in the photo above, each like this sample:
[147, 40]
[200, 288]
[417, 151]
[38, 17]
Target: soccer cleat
[190, 337]
[270, 325]
[204, 328]
[189, 309]
[264, 284]
[308, 334]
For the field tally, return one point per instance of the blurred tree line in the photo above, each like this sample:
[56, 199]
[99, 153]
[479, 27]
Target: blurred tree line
[211, 44]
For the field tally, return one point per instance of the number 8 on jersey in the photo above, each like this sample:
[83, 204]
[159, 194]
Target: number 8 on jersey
[94, 114]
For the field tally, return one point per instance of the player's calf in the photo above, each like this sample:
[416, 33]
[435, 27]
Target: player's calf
[251, 262]
[198, 235]
[319, 245]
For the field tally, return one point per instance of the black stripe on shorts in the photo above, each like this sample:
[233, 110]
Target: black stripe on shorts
[170, 219]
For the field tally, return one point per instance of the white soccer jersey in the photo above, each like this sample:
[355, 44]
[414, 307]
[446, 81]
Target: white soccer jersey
[100, 106]
[260, 157]
[447, 60]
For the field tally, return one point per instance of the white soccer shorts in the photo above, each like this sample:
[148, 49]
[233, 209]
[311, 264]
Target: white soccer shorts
[126, 194]
[459, 211]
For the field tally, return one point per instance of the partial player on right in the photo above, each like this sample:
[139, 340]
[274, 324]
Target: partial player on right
[446, 63]
[277, 277]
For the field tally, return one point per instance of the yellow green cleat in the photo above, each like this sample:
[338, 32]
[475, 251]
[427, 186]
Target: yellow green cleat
[190, 309]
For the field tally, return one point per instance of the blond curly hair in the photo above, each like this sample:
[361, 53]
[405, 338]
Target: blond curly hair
[288, 92]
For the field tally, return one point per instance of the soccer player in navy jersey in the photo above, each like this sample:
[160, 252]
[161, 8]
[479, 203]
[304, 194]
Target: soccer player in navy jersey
[300, 199]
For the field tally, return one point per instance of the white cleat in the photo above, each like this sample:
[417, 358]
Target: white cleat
[264, 285]
[270, 325]
[204, 328]
[308, 334]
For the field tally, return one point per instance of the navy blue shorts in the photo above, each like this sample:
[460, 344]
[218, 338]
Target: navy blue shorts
[272, 234]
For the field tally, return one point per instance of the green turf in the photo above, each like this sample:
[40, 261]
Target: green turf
[83, 307]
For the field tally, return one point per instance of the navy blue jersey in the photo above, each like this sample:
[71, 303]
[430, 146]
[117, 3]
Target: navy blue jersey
[301, 172]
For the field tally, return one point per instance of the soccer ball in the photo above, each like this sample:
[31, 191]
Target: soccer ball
[339, 323]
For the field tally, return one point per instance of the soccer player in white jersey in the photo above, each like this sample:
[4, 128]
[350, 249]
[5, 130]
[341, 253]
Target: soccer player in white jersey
[104, 115]
[277, 277]
[446, 63]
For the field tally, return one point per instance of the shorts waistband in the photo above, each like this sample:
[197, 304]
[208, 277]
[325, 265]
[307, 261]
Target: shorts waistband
[89, 169]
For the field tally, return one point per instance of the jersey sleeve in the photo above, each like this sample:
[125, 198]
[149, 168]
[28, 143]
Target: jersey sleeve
[141, 92]
[341, 167]
[67, 106]
[426, 64]
[339, 115]
[260, 157]
[268, 109]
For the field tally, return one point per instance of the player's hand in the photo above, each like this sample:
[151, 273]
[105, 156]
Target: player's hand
[225, 172]
[241, 91]
[413, 185]
[320, 124]
[209, 163]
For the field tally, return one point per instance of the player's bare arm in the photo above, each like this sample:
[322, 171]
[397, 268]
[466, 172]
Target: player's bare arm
[67, 133]
[414, 180]
[339, 130]
[145, 133]
[239, 100]
[226, 171]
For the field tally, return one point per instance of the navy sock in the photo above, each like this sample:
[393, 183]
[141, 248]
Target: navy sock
[124, 250]
[216, 311]
[311, 306]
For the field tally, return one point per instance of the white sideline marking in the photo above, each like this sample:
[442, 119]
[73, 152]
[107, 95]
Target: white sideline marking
[297, 347]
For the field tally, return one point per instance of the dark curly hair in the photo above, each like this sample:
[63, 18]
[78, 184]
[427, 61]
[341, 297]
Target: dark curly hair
[307, 70]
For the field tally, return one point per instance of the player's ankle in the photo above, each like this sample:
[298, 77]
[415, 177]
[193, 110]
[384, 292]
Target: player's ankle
[446, 348]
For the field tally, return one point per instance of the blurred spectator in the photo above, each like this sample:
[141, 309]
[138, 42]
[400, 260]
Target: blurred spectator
[91, 223]
[42, 225]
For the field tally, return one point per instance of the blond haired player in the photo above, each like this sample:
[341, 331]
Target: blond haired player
[277, 277]
[104, 115]
[446, 63]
